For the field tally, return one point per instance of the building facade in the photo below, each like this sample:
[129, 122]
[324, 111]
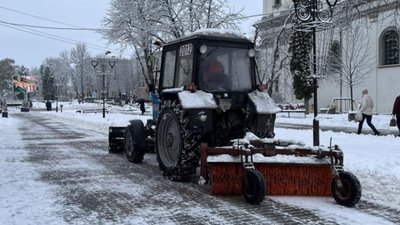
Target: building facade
[367, 43]
[26, 83]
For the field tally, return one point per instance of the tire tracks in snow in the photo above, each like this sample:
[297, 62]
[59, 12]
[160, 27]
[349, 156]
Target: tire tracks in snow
[388, 213]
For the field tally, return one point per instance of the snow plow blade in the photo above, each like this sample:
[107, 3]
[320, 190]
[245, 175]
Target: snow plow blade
[287, 168]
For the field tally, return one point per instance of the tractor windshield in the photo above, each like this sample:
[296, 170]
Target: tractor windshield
[225, 69]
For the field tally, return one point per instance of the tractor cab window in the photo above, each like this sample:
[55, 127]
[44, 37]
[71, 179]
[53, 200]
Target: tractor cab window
[185, 65]
[169, 69]
[225, 69]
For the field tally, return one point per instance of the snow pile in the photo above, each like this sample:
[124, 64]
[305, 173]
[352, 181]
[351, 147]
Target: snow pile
[198, 99]
[218, 32]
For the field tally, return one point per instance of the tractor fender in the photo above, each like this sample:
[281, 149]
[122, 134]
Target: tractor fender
[197, 100]
[263, 103]
[199, 105]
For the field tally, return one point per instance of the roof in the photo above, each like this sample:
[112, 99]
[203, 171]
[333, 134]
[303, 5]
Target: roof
[213, 34]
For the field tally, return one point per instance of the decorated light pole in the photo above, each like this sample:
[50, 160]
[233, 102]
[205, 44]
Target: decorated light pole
[314, 15]
[103, 71]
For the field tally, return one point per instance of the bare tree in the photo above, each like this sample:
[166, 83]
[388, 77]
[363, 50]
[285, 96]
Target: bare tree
[278, 62]
[140, 23]
[76, 65]
[271, 68]
[70, 71]
[355, 61]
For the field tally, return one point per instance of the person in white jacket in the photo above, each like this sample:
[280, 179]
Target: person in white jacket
[367, 104]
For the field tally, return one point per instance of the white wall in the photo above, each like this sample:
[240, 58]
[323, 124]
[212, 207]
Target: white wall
[383, 83]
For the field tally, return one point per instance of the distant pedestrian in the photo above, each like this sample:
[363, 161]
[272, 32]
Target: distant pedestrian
[48, 105]
[367, 104]
[141, 104]
[396, 112]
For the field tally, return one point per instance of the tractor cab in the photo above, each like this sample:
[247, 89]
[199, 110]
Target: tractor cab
[211, 63]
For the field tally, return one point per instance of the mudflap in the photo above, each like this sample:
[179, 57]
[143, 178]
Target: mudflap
[116, 139]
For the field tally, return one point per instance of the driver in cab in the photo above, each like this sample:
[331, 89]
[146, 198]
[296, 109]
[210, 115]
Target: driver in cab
[213, 76]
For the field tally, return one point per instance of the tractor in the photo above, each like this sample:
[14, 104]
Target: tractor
[208, 93]
[209, 96]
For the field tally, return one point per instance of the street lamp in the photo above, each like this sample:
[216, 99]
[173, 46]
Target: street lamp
[314, 14]
[57, 88]
[102, 72]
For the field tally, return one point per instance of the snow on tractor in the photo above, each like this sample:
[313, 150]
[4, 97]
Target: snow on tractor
[210, 100]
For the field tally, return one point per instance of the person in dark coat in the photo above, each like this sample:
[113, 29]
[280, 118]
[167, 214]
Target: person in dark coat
[48, 105]
[141, 104]
[396, 112]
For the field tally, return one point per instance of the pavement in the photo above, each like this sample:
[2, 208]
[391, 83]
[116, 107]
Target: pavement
[366, 129]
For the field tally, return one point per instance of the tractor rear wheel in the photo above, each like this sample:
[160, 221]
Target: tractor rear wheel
[348, 193]
[178, 148]
[135, 144]
[253, 187]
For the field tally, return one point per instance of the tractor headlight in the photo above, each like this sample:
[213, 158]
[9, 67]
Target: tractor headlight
[203, 49]
[252, 52]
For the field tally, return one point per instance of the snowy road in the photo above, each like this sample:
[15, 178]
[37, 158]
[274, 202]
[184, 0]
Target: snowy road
[55, 173]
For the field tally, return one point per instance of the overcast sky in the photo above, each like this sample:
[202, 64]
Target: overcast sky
[29, 46]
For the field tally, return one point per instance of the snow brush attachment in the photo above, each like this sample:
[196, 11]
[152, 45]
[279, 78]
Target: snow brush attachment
[284, 168]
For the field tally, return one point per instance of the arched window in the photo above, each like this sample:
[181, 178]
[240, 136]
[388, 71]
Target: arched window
[389, 47]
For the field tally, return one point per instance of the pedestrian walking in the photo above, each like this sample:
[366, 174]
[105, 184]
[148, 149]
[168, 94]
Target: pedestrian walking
[367, 104]
[48, 105]
[141, 104]
[396, 112]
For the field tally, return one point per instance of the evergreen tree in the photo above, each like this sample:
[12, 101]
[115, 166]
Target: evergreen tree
[300, 63]
[6, 73]
[21, 70]
[48, 89]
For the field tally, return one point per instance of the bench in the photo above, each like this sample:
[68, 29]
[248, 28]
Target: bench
[294, 111]
[91, 110]
[13, 104]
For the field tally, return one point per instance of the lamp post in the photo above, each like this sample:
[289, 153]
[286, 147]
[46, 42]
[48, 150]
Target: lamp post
[314, 14]
[57, 86]
[102, 72]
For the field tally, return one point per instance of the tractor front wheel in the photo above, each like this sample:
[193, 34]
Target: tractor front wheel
[346, 189]
[253, 187]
